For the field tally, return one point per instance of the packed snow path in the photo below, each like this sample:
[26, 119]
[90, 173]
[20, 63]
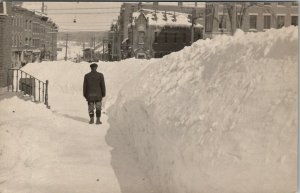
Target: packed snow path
[69, 155]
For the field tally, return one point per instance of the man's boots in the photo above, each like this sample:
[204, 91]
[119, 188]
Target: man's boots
[91, 120]
[98, 121]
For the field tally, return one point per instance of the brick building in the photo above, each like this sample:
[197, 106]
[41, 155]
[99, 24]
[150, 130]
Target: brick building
[5, 43]
[34, 37]
[153, 34]
[225, 18]
[25, 36]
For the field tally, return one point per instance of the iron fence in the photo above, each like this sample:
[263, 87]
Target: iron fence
[20, 81]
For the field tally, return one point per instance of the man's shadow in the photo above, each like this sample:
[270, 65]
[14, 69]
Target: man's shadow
[76, 118]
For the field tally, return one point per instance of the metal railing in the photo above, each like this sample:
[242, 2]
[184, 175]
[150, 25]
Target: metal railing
[20, 81]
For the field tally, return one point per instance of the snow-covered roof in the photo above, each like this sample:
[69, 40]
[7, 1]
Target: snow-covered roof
[162, 18]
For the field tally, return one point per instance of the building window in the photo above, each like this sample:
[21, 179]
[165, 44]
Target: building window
[253, 21]
[267, 21]
[155, 37]
[16, 41]
[295, 3]
[199, 36]
[294, 20]
[13, 40]
[166, 37]
[222, 21]
[280, 3]
[141, 37]
[175, 37]
[209, 10]
[280, 21]
[267, 3]
[238, 21]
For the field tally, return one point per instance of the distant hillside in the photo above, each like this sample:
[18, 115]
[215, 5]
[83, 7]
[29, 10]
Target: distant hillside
[82, 36]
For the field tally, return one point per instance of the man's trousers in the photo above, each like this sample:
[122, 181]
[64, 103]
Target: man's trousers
[94, 105]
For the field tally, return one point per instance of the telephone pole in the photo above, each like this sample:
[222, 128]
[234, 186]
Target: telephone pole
[193, 23]
[66, 54]
[43, 7]
[103, 49]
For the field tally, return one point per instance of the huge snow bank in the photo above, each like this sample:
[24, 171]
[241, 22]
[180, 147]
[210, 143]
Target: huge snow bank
[219, 116]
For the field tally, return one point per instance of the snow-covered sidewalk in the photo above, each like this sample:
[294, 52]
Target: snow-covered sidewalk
[57, 152]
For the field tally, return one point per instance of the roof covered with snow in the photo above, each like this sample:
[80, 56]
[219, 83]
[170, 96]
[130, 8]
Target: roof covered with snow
[165, 18]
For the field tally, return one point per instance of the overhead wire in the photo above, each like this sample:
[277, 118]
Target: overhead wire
[85, 13]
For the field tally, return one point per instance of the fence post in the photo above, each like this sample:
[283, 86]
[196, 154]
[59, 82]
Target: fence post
[8, 80]
[46, 94]
[17, 81]
[34, 93]
[39, 91]
[12, 82]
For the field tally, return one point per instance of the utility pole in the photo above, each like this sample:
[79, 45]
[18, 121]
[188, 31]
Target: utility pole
[94, 42]
[193, 23]
[66, 54]
[43, 7]
[113, 46]
[103, 49]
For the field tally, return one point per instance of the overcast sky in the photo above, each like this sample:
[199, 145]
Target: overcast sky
[89, 16]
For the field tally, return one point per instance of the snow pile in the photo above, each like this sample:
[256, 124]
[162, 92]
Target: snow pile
[218, 116]
[66, 77]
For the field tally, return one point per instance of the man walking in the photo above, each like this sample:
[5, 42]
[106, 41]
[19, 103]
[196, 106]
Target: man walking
[94, 91]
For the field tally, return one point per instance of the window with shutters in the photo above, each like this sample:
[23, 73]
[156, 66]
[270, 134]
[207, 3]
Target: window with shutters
[280, 21]
[222, 21]
[267, 21]
[253, 21]
[294, 20]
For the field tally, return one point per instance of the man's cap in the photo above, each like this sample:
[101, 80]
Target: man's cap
[93, 65]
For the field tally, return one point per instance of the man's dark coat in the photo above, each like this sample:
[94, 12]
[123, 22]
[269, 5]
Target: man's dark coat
[94, 86]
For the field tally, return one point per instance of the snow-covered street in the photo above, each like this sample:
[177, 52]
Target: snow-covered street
[199, 120]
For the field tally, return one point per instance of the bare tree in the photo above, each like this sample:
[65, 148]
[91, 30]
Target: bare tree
[236, 12]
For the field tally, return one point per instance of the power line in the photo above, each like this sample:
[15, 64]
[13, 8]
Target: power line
[92, 23]
[78, 13]
[81, 8]
[84, 25]
[93, 30]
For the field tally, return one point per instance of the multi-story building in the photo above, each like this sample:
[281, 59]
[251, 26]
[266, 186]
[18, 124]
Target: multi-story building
[34, 37]
[125, 19]
[153, 34]
[25, 36]
[5, 43]
[226, 17]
